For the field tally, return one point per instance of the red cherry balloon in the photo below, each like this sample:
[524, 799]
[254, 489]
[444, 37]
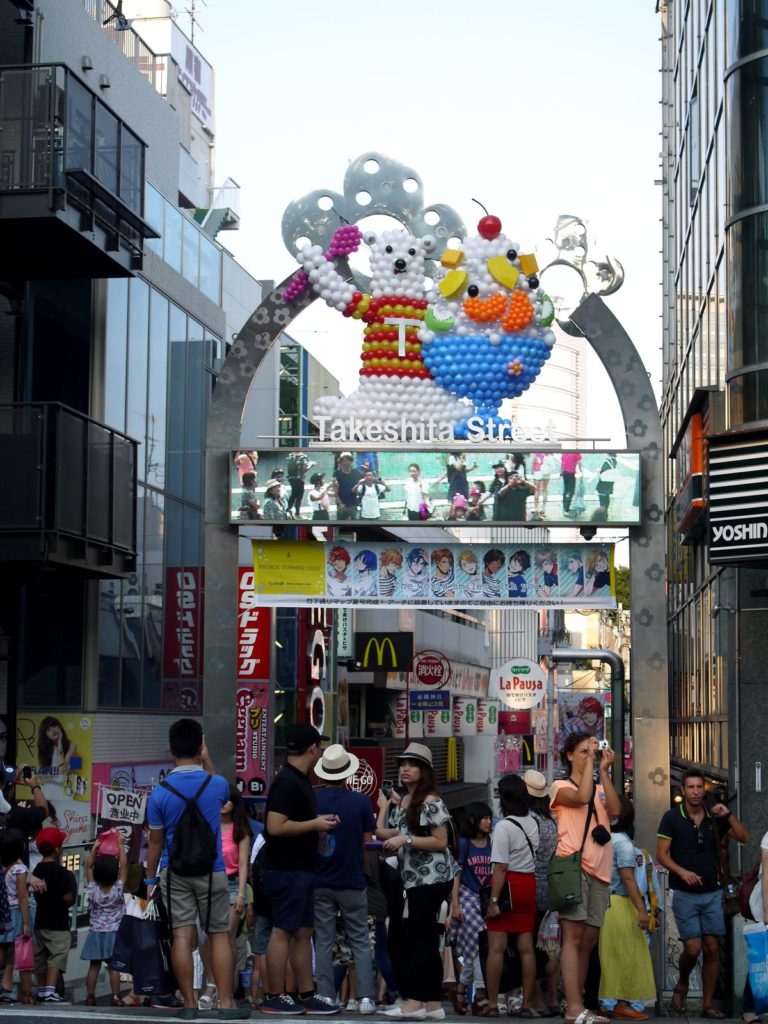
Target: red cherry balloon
[489, 227]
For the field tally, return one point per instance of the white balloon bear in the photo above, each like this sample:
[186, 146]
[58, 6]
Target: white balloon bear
[393, 379]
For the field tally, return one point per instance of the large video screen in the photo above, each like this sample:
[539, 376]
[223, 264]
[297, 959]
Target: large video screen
[401, 487]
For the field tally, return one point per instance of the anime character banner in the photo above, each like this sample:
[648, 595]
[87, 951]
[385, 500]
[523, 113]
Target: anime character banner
[399, 575]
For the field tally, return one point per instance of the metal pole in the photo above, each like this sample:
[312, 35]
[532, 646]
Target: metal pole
[551, 753]
[612, 658]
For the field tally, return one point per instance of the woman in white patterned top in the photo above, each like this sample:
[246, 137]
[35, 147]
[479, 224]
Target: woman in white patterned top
[418, 834]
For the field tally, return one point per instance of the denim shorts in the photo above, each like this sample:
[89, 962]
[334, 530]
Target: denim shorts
[260, 935]
[293, 899]
[698, 913]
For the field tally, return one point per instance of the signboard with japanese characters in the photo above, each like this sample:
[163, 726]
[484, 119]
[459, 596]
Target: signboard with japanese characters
[253, 631]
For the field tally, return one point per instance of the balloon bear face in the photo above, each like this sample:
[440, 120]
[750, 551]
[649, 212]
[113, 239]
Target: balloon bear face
[398, 262]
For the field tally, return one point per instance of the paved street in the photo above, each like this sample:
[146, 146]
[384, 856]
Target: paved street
[78, 1012]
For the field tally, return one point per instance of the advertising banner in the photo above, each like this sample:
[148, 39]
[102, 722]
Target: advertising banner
[398, 575]
[369, 775]
[252, 736]
[465, 489]
[429, 700]
[253, 631]
[580, 711]
[59, 748]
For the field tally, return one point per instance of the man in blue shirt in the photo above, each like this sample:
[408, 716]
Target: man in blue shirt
[340, 885]
[190, 895]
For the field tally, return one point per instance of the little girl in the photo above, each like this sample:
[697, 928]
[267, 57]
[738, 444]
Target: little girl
[236, 851]
[106, 878]
[11, 852]
[474, 858]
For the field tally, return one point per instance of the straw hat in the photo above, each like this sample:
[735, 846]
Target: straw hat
[535, 783]
[272, 483]
[337, 764]
[416, 752]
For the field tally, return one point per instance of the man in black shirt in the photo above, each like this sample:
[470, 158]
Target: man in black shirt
[687, 845]
[52, 934]
[291, 833]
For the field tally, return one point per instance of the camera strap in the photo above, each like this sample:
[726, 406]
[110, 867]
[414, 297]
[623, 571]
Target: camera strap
[590, 811]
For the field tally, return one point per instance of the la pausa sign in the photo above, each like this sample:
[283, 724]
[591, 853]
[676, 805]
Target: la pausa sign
[519, 684]
[351, 429]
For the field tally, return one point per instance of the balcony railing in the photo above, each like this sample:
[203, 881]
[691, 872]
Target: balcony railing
[60, 138]
[149, 64]
[69, 489]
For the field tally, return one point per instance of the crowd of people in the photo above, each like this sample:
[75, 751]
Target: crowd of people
[356, 489]
[544, 909]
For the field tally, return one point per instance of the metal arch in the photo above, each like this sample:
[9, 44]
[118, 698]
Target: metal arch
[638, 406]
[648, 657]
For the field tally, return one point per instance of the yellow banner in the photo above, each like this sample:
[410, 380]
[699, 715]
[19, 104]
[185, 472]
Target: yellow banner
[285, 567]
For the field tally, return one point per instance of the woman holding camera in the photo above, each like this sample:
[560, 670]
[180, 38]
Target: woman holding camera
[579, 803]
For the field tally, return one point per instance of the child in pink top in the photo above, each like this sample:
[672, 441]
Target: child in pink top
[236, 851]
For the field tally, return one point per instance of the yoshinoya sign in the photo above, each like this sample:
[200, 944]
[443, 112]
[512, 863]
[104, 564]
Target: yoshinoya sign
[519, 684]
[431, 668]
[738, 499]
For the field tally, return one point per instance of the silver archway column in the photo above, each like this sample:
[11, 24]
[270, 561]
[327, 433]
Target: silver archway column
[648, 659]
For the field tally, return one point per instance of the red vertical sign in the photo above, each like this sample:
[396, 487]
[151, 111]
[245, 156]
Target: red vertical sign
[252, 754]
[253, 629]
[183, 638]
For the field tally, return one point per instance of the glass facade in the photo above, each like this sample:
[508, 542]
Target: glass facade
[158, 382]
[183, 245]
[698, 346]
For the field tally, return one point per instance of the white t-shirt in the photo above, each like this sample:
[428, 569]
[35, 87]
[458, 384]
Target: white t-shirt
[756, 899]
[414, 493]
[509, 845]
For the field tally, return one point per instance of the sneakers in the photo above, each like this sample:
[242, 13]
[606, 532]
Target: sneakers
[282, 1005]
[353, 1005]
[320, 1006]
[366, 1006]
[53, 997]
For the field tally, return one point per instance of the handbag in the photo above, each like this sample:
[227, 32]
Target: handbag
[745, 892]
[564, 873]
[23, 954]
[730, 887]
[505, 899]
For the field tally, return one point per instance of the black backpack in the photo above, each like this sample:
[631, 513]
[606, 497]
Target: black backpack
[194, 849]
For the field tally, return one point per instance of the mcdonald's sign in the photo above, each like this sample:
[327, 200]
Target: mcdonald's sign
[384, 652]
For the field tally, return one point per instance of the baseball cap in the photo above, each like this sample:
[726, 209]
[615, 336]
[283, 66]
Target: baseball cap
[50, 839]
[300, 736]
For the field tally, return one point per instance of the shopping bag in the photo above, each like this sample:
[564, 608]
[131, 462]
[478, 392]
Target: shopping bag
[23, 954]
[143, 949]
[578, 505]
[756, 939]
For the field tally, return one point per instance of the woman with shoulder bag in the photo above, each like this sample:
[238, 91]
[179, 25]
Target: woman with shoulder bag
[512, 904]
[419, 836]
[548, 936]
[582, 810]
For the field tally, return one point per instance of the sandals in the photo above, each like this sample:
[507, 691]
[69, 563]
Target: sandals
[678, 1004]
[587, 1017]
[529, 1013]
[458, 997]
[480, 1004]
[489, 1011]
[712, 1014]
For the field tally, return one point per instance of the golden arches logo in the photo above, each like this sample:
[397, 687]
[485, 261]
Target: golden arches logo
[380, 646]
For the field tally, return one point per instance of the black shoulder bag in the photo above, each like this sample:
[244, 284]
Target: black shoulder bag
[505, 896]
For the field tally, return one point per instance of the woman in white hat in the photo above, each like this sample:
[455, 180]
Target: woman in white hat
[417, 831]
[547, 921]
[274, 503]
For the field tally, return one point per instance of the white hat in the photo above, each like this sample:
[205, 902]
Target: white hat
[535, 783]
[272, 483]
[337, 764]
[416, 752]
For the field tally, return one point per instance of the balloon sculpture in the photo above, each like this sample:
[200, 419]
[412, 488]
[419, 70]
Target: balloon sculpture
[486, 336]
[394, 380]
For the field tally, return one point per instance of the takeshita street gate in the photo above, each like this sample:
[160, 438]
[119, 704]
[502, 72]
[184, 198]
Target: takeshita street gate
[464, 310]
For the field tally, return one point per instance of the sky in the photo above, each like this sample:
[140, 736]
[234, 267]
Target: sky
[536, 109]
